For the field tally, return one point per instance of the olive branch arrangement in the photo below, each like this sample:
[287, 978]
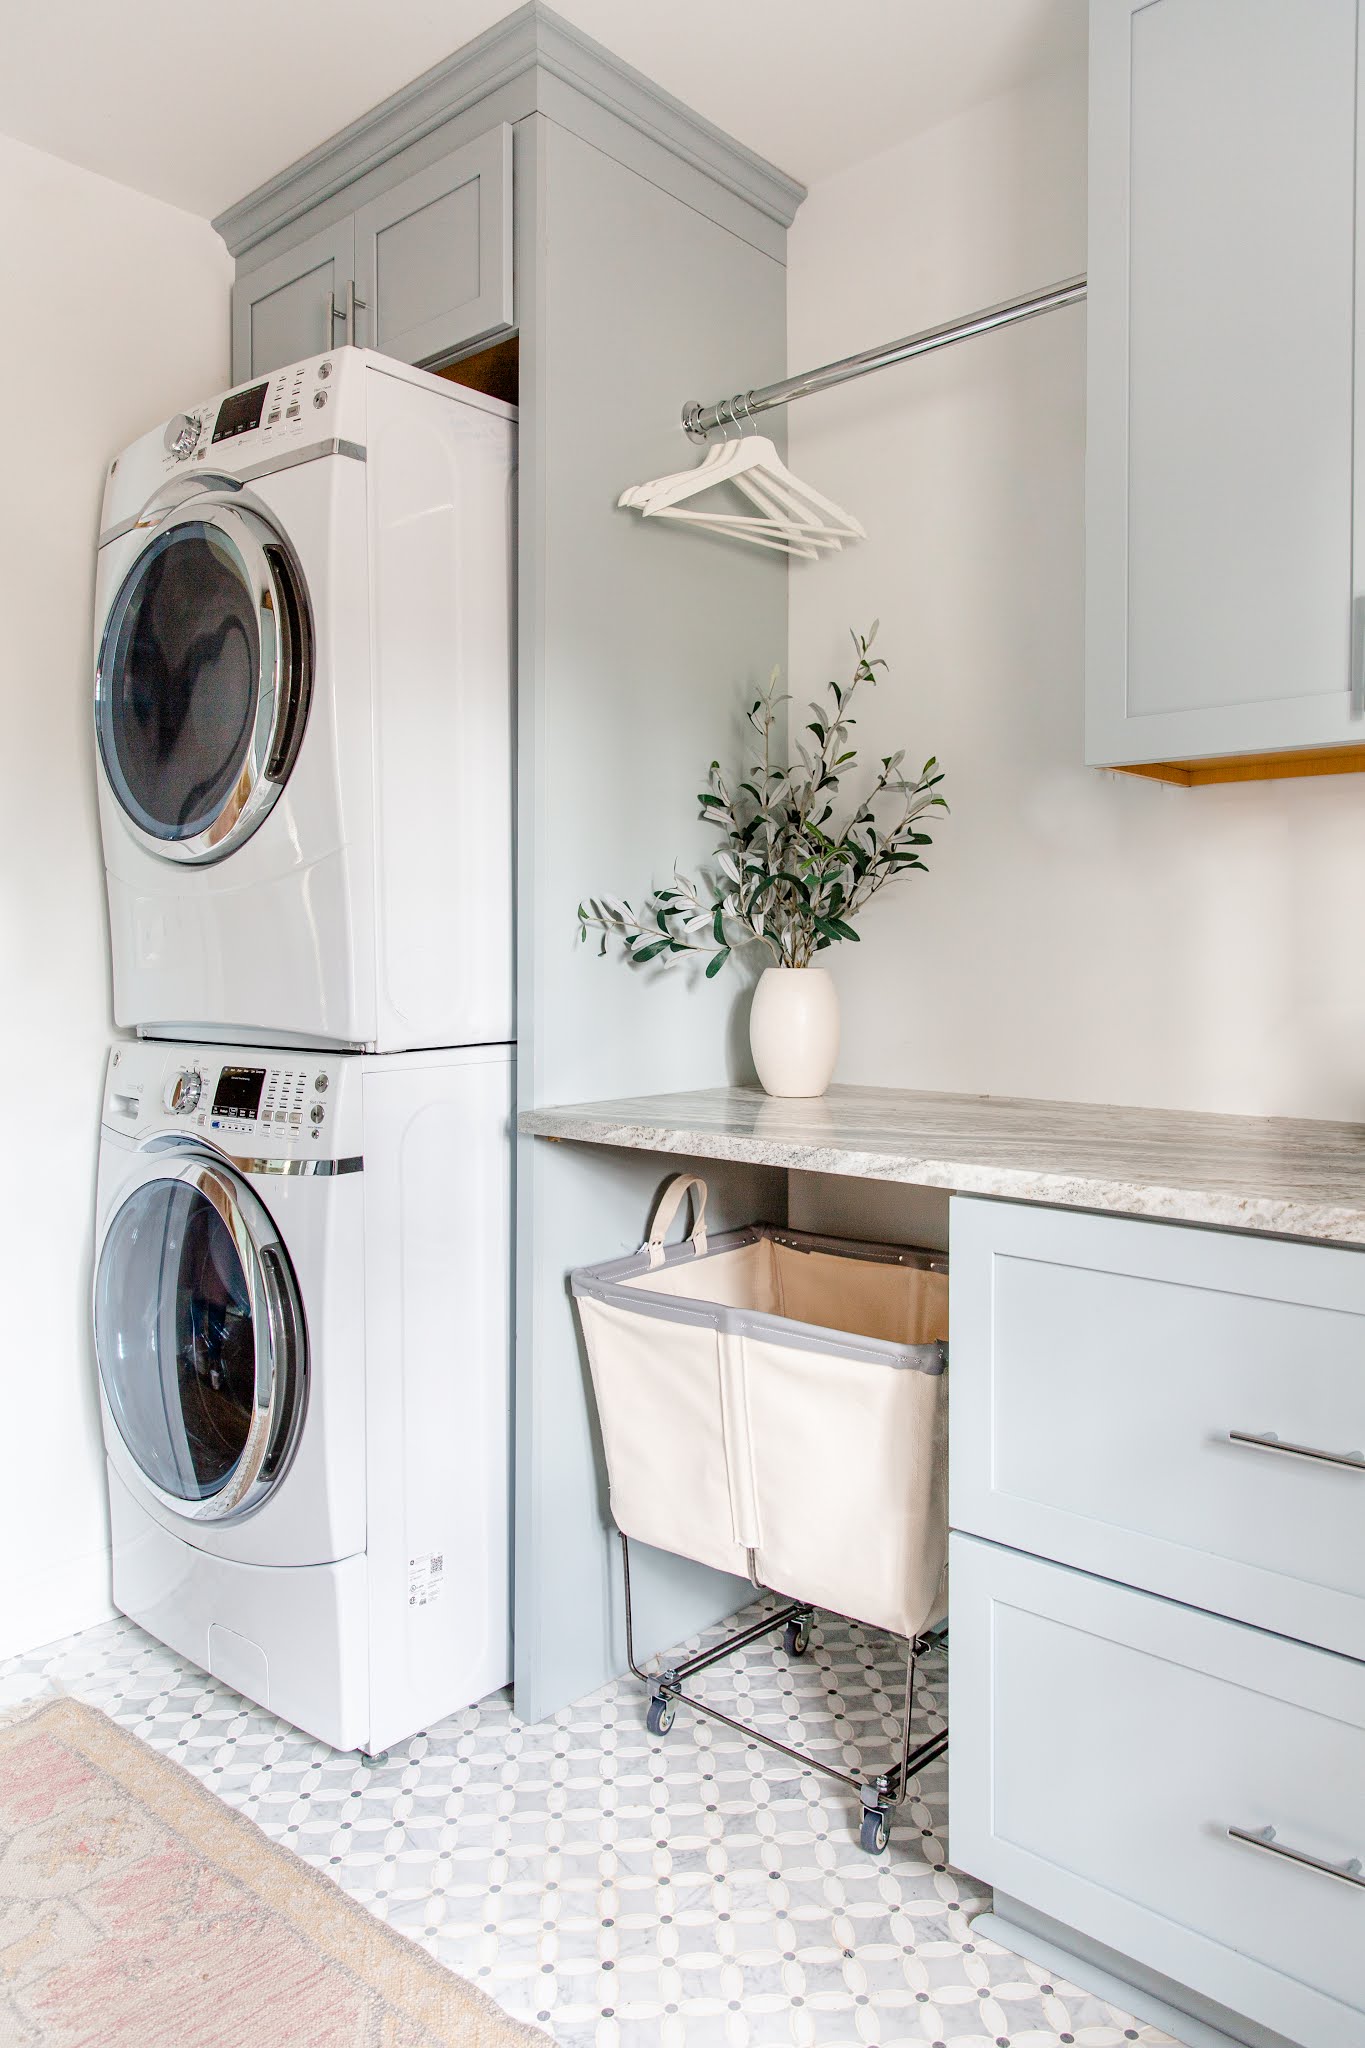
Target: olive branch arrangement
[789, 877]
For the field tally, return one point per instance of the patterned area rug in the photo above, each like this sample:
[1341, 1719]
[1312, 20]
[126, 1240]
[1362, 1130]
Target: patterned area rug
[139, 1911]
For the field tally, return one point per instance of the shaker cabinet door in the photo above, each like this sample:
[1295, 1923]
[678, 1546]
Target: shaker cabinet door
[1222, 566]
[434, 255]
[294, 306]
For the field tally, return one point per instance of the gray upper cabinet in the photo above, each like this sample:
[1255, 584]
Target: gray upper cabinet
[1225, 563]
[434, 254]
[294, 305]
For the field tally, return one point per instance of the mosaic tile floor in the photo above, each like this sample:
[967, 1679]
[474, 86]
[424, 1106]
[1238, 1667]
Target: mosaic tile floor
[692, 1892]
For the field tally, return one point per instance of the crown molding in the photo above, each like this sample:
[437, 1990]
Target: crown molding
[533, 42]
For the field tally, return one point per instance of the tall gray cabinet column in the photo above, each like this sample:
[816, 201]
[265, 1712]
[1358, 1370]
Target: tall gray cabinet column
[638, 649]
[649, 268]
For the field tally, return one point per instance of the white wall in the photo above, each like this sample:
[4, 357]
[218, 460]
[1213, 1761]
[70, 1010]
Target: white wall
[116, 313]
[1080, 934]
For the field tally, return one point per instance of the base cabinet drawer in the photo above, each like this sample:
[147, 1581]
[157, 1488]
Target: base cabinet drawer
[1180, 1409]
[1186, 1790]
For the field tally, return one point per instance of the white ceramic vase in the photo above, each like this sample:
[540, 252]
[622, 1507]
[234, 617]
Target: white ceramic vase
[794, 1030]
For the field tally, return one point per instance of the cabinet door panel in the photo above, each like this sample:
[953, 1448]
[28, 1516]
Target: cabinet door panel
[1222, 284]
[1101, 1366]
[282, 312]
[1104, 1744]
[434, 254]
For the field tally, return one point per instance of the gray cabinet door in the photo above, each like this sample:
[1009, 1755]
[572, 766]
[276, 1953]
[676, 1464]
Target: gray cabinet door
[1181, 1409]
[1222, 569]
[1177, 1787]
[292, 307]
[434, 255]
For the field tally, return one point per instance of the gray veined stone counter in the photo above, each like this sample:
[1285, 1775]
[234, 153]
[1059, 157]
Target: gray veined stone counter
[1294, 1177]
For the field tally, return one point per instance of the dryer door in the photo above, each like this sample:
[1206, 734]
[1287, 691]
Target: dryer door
[204, 676]
[200, 1340]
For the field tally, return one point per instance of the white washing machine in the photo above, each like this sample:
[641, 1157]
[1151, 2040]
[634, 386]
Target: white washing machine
[303, 713]
[301, 1308]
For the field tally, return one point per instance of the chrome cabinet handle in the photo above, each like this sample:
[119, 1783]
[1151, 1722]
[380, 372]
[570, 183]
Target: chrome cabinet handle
[353, 306]
[1358, 658]
[1267, 1440]
[1265, 1838]
[334, 313]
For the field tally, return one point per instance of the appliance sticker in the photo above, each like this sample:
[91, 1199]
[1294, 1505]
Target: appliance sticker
[426, 1578]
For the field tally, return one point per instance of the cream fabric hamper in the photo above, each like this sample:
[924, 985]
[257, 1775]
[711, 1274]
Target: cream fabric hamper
[775, 1403]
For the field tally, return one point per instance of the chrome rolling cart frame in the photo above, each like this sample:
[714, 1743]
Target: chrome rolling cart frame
[880, 1796]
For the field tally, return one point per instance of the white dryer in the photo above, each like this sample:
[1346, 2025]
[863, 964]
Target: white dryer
[303, 713]
[301, 1313]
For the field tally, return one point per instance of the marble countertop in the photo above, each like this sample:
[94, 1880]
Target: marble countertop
[1290, 1176]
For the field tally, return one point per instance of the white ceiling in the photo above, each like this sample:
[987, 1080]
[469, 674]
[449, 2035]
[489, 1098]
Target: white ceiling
[197, 103]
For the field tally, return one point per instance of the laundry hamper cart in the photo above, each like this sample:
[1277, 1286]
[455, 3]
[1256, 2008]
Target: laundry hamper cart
[775, 1403]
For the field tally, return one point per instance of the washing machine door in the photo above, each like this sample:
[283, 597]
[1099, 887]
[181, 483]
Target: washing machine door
[201, 1341]
[204, 677]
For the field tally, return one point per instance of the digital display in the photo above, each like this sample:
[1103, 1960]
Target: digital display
[240, 412]
[239, 1091]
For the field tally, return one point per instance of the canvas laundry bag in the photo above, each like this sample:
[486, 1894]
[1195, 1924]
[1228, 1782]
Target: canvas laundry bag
[774, 1403]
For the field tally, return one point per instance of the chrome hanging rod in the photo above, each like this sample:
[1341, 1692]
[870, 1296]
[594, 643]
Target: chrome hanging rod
[699, 420]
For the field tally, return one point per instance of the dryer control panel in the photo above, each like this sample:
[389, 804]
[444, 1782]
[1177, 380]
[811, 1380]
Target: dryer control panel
[256, 1103]
[274, 422]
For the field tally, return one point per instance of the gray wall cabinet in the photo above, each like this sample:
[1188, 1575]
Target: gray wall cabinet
[649, 260]
[1225, 555]
[287, 309]
[433, 256]
[1130, 1568]
[429, 261]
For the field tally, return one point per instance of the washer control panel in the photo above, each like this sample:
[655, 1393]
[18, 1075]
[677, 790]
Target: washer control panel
[259, 1104]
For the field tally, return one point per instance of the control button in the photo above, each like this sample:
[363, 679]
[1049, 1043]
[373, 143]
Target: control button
[183, 1091]
[321, 1084]
[324, 371]
[320, 399]
[292, 410]
[181, 437]
[317, 1113]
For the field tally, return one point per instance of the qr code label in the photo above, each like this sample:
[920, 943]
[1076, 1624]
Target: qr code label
[426, 1578]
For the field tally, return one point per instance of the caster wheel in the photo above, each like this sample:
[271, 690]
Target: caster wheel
[796, 1638]
[659, 1719]
[874, 1833]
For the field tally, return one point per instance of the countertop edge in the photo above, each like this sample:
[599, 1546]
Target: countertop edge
[1270, 1215]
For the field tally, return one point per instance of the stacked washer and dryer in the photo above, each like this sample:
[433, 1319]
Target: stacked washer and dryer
[303, 712]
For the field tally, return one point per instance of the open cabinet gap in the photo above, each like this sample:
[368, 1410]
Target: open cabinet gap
[493, 370]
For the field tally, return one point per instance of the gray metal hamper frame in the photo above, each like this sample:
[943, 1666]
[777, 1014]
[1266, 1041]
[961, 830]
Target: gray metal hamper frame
[607, 1284]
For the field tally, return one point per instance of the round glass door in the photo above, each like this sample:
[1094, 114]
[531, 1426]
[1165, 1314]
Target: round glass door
[198, 1334]
[203, 681]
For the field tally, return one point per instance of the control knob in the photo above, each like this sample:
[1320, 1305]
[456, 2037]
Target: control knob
[183, 1091]
[182, 434]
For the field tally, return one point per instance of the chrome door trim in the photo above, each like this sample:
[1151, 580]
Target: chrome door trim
[284, 626]
[313, 451]
[197, 1143]
[280, 1338]
[318, 1168]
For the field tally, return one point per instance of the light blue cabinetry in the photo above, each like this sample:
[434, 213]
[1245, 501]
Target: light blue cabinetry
[433, 255]
[1158, 1604]
[1224, 538]
[421, 271]
[293, 306]
[1106, 1745]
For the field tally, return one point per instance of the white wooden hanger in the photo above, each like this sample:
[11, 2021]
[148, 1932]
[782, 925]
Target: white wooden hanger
[793, 517]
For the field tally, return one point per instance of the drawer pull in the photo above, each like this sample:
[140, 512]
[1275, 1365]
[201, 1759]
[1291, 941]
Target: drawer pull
[1266, 1440]
[1264, 1838]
